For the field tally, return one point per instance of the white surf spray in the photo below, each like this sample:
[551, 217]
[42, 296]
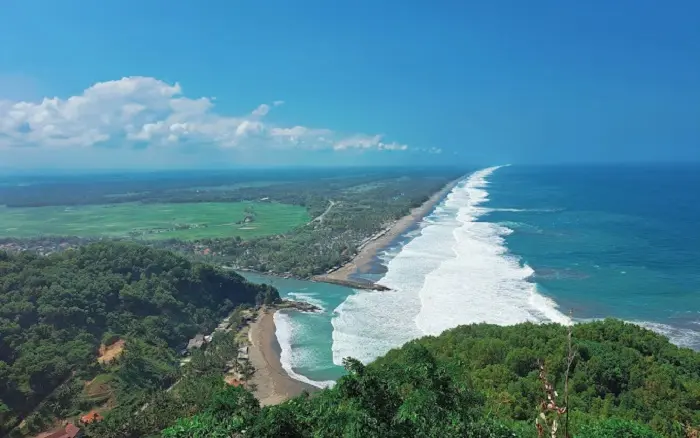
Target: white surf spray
[456, 271]
[682, 337]
[287, 331]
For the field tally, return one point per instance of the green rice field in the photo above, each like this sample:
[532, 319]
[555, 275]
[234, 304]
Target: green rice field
[187, 221]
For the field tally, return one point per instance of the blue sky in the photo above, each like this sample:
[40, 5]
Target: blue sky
[223, 83]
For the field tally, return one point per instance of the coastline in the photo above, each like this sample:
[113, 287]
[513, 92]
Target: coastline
[363, 259]
[273, 384]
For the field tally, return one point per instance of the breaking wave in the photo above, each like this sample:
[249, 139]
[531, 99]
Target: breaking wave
[456, 270]
[287, 331]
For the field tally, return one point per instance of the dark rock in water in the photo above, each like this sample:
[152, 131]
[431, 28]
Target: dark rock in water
[301, 306]
[365, 285]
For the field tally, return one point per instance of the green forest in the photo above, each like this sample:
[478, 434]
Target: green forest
[56, 311]
[305, 224]
[361, 208]
[485, 381]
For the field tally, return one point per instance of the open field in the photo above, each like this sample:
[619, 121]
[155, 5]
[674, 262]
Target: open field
[185, 221]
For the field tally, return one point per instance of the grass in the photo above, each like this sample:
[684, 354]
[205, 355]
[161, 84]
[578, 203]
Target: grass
[187, 221]
[99, 389]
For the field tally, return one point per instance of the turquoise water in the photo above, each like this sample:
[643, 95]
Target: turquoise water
[306, 339]
[514, 244]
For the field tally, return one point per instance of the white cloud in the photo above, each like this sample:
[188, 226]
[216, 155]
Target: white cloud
[432, 150]
[261, 110]
[367, 142]
[146, 110]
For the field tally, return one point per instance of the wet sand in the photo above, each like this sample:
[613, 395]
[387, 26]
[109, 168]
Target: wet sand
[273, 383]
[362, 262]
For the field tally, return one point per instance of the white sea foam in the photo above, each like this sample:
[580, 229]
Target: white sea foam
[311, 298]
[682, 337]
[286, 331]
[457, 271]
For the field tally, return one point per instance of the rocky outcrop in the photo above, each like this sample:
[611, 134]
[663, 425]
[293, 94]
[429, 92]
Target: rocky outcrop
[301, 306]
[365, 285]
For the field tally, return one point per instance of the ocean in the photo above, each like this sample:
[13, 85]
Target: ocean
[513, 244]
[305, 339]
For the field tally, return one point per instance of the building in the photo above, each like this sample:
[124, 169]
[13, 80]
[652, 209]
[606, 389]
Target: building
[242, 355]
[232, 381]
[69, 431]
[196, 342]
[243, 352]
[91, 417]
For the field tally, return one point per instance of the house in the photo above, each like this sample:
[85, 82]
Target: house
[233, 381]
[242, 354]
[69, 431]
[196, 342]
[91, 417]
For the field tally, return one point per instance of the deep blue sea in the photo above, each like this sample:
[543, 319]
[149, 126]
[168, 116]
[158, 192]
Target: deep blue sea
[514, 244]
[619, 241]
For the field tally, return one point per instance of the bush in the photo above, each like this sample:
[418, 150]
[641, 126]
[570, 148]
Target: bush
[617, 428]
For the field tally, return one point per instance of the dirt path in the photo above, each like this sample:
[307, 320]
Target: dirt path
[320, 218]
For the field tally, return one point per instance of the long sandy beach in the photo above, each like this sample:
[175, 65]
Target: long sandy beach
[273, 384]
[363, 260]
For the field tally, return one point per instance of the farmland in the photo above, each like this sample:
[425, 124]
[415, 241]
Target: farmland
[258, 219]
[183, 221]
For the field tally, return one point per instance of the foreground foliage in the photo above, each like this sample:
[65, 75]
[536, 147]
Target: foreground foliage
[481, 381]
[619, 370]
[55, 312]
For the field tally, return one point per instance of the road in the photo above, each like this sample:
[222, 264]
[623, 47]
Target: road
[320, 218]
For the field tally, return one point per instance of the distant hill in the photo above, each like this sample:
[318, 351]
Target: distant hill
[56, 312]
[485, 381]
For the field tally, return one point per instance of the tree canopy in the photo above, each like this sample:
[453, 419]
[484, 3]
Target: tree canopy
[483, 381]
[56, 311]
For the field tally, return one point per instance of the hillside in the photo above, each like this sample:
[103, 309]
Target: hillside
[59, 313]
[483, 381]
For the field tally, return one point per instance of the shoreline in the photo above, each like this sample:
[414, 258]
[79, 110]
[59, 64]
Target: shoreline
[273, 384]
[362, 261]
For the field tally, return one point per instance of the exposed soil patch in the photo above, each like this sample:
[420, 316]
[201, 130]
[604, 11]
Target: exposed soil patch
[107, 353]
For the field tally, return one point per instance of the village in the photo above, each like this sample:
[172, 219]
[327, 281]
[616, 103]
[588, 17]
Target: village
[42, 246]
[238, 370]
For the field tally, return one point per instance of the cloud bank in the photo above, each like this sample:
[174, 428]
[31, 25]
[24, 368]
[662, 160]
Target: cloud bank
[146, 112]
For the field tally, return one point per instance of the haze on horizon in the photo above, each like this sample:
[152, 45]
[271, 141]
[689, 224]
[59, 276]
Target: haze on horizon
[140, 86]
